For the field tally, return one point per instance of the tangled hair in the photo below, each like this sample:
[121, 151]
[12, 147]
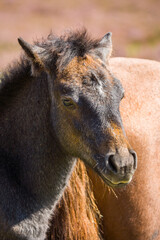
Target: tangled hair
[76, 216]
[60, 50]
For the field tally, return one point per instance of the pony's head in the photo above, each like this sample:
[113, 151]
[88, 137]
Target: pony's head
[85, 99]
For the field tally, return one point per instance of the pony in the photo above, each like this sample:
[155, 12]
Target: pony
[60, 102]
[131, 212]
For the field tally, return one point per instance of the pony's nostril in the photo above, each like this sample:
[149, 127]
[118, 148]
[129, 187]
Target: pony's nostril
[134, 155]
[112, 164]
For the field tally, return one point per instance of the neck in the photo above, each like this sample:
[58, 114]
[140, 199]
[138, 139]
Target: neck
[30, 143]
[33, 165]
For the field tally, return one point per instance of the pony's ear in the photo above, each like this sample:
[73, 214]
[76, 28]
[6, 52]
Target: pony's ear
[104, 50]
[34, 54]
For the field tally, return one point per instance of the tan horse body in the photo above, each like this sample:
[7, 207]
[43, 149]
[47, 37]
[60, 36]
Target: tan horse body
[134, 213]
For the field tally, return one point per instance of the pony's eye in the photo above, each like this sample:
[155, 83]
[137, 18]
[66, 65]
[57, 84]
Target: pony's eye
[68, 103]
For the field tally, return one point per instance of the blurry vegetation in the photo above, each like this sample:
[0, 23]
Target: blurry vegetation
[134, 24]
[134, 47]
[8, 46]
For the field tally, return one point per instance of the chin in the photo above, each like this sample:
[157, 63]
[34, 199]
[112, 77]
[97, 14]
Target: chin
[114, 184]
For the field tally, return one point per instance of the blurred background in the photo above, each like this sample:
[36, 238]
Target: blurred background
[135, 24]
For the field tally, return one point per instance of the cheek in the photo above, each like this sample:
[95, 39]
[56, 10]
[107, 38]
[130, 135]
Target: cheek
[67, 130]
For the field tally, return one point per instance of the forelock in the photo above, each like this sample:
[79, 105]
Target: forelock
[61, 50]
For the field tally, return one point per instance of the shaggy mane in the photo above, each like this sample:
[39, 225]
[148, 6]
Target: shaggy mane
[76, 216]
[61, 50]
[58, 52]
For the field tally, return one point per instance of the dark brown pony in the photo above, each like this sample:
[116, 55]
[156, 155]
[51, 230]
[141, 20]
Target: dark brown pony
[59, 103]
[133, 212]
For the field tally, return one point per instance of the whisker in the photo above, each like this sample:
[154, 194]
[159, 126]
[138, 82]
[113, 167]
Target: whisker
[114, 192]
[96, 164]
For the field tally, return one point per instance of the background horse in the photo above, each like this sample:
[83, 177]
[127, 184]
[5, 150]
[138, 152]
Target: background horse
[132, 212]
[59, 103]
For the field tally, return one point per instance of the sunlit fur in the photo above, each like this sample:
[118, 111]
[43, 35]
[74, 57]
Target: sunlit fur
[77, 216]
